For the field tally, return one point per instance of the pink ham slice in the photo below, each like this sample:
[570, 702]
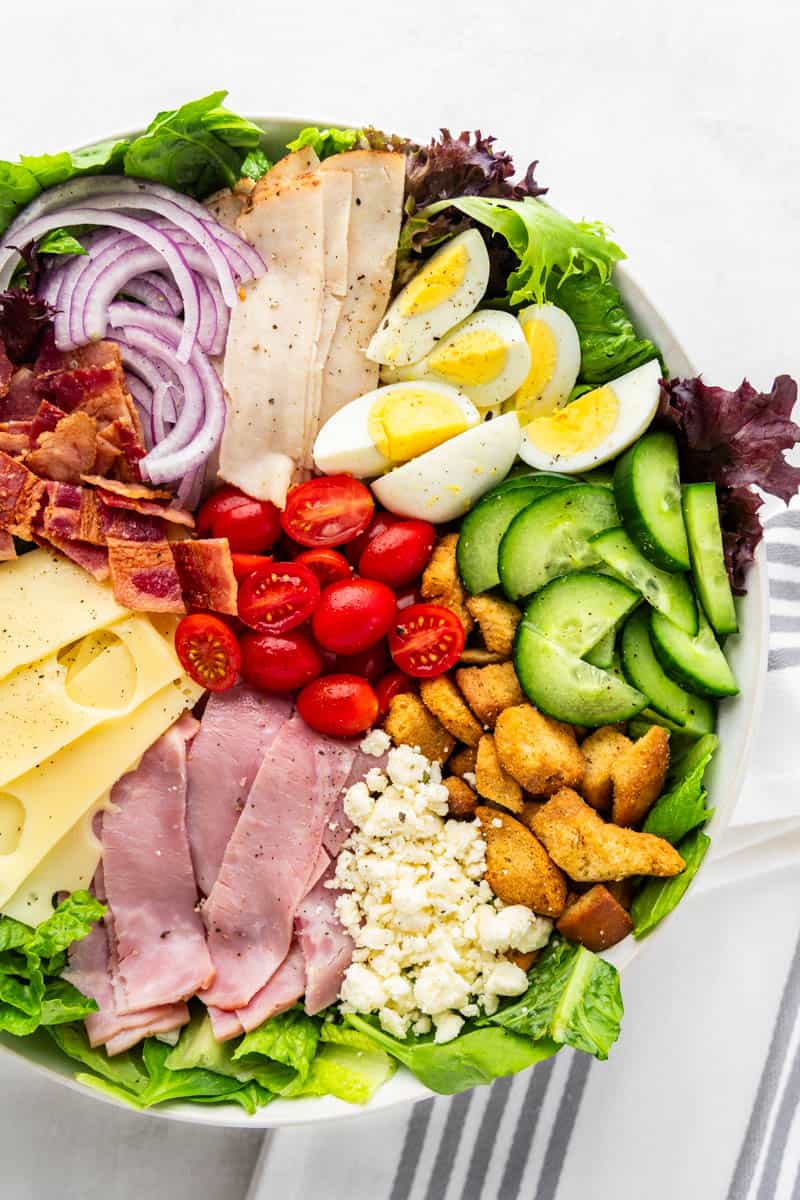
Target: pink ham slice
[161, 953]
[237, 729]
[269, 860]
[283, 990]
[326, 949]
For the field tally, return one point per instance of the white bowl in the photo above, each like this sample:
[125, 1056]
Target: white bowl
[738, 721]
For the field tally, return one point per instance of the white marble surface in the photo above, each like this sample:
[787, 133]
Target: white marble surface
[676, 123]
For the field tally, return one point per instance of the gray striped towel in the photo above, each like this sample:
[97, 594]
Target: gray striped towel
[701, 1098]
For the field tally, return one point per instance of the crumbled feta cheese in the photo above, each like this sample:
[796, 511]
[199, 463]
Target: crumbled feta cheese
[506, 979]
[470, 778]
[376, 781]
[376, 743]
[448, 1026]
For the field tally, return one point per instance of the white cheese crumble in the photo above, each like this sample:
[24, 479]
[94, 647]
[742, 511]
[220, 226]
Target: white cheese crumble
[430, 937]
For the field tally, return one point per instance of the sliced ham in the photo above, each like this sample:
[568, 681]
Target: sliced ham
[270, 857]
[327, 949]
[224, 1024]
[339, 826]
[21, 497]
[160, 947]
[66, 452]
[205, 571]
[237, 729]
[282, 991]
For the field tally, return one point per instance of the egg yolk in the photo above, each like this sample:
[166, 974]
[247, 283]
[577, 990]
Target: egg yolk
[435, 283]
[543, 346]
[579, 426]
[412, 420]
[477, 356]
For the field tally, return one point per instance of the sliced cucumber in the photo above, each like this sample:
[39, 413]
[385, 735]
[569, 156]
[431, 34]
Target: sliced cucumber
[701, 514]
[669, 593]
[567, 688]
[481, 532]
[543, 480]
[648, 490]
[696, 662]
[551, 537]
[641, 666]
[602, 654]
[577, 610]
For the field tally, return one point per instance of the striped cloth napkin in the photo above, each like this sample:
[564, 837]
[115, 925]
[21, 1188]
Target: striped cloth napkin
[700, 1099]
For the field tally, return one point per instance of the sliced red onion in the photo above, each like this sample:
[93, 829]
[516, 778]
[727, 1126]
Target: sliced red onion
[223, 316]
[150, 372]
[158, 412]
[238, 246]
[149, 289]
[139, 390]
[191, 488]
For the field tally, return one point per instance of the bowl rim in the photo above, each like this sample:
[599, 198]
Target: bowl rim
[403, 1088]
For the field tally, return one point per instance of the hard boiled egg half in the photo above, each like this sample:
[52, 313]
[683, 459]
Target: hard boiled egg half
[391, 425]
[486, 356]
[595, 427]
[446, 289]
[555, 360]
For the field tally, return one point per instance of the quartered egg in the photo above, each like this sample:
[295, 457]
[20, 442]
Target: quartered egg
[391, 425]
[485, 356]
[444, 483]
[444, 291]
[555, 360]
[595, 427]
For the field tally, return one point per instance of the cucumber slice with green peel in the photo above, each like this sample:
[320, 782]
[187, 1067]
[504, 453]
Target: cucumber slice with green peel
[647, 487]
[671, 594]
[701, 515]
[701, 722]
[541, 480]
[694, 662]
[600, 476]
[602, 654]
[566, 687]
[551, 537]
[577, 610]
[481, 533]
[642, 668]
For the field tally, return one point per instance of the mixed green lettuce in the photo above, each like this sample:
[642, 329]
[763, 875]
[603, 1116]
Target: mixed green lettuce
[682, 807]
[658, 897]
[326, 142]
[610, 345]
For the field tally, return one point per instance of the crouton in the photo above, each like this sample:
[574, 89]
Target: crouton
[638, 776]
[529, 811]
[461, 800]
[622, 890]
[592, 851]
[492, 782]
[540, 753]
[595, 920]
[523, 961]
[441, 582]
[518, 868]
[497, 620]
[445, 701]
[600, 750]
[409, 723]
[479, 656]
[463, 761]
[488, 690]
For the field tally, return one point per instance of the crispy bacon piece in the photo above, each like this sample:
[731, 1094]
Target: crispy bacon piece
[21, 400]
[205, 570]
[21, 497]
[107, 455]
[7, 548]
[15, 437]
[47, 417]
[66, 452]
[6, 372]
[93, 559]
[148, 508]
[144, 576]
[71, 514]
[132, 491]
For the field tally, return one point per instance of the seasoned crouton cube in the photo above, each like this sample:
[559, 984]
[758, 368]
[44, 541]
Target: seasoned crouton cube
[492, 782]
[479, 656]
[409, 723]
[523, 961]
[540, 753]
[638, 776]
[518, 868]
[488, 690]
[463, 761]
[462, 801]
[600, 750]
[622, 890]
[595, 920]
[497, 620]
[441, 582]
[446, 703]
[592, 851]
[529, 810]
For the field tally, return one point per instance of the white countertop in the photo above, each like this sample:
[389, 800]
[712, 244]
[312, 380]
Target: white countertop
[675, 123]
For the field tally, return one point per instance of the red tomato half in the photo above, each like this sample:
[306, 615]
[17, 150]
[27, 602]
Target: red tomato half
[208, 651]
[279, 662]
[249, 525]
[399, 553]
[426, 641]
[278, 596]
[327, 511]
[380, 522]
[370, 664]
[328, 565]
[339, 705]
[393, 684]
[221, 501]
[353, 614]
[243, 564]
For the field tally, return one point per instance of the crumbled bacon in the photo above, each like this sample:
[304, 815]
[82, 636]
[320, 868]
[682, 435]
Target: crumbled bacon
[16, 437]
[7, 548]
[21, 497]
[144, 576]
[132, 491]
[46, 419]
[205, 569]
[66, 452]
[151, 508]
[21, 402]
[93, 559]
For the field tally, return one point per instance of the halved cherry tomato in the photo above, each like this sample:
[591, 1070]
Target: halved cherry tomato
[353, 614]
[208, 651]
[328, 565]
[380, 522]
[243, 564]
[370, 663]
[249, 525]
[399, 553]
[327, 511]
[393, 684]
[339, 705]
[406, 597]
[279, 662]
[426, 641]
[278, 596]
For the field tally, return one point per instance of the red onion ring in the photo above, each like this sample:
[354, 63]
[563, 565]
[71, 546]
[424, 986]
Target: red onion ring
[157, 293]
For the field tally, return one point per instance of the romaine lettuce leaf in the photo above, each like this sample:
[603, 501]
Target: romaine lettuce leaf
[255, 164]
[63, 1003]
[52, 169]
[682, 808]
[610, 345]
[350, 1074]
[658, 897]
[124, 1070]
[289, 1039]
[18, 186]
[326, 142]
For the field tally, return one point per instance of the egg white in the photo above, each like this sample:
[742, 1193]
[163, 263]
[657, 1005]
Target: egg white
[566, 367]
